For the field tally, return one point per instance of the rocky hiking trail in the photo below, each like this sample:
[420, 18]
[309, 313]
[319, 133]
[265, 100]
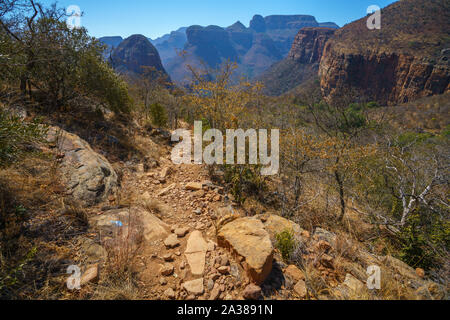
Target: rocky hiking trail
[182, 259]
[196, 243]
[183, 238]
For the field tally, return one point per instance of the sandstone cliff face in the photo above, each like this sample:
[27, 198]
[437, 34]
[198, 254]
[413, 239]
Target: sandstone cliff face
[405, 60]
[302, 63]
[388, 79]
[309, 44]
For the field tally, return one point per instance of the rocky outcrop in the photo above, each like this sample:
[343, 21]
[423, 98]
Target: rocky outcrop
[258, 24]
[277, 22]
[405, 60]
[261, 55]
[302, 63]
[274, 224]
[283, 29]
[385, 78]
[88, 177]
[111, 41]
[133, 54]
[211, 44]
[309, 44]
[241, 37]
[250, 243]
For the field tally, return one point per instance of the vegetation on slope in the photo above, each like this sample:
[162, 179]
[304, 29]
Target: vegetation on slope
[419, 28]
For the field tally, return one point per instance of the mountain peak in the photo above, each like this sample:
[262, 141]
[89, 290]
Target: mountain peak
[258, 23]
[237, 26]
[136, 52]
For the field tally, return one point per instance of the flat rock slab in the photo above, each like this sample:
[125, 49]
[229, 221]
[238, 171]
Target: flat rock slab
[119, 221]
[322, 234]
[194, 186]
[252, 292]
[246, 238]
[166, 190]
[194, 287]
[172, 241]
[196, 253]
[300, 289]
[167, 270]
[154, 228]
[181, 232]
[169, 294]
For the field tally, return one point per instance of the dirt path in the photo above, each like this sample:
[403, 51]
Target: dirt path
[183, 198]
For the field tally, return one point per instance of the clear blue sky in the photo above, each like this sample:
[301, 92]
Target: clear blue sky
[154, 18]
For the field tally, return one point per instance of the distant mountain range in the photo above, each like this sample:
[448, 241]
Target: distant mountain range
[266, 41]
[407, 59]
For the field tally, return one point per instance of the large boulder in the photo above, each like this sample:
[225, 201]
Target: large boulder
[274, 224]
[89, 178]
[250, 243]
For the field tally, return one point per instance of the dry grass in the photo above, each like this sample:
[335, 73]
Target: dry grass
[71, 209]
[426, 113]
[114, 289]
[392, 288]
[118, 276]
[316, 284]
[37, 229]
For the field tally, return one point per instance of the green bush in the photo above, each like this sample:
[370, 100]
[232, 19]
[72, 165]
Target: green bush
[409, 138]
[244, 180]
[158, 114]
[353, 118]
[286, 244]
[57, 65]
[425, 239]
[372, 105]
[100, 80]
[15, 135]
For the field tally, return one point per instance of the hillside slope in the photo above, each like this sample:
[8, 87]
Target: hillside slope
[407, 59]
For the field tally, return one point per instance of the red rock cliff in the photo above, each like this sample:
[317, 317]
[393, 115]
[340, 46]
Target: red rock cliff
[405, 60]
[309, 44]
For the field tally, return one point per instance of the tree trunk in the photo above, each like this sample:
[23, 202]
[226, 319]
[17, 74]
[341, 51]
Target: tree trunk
[341, 194]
